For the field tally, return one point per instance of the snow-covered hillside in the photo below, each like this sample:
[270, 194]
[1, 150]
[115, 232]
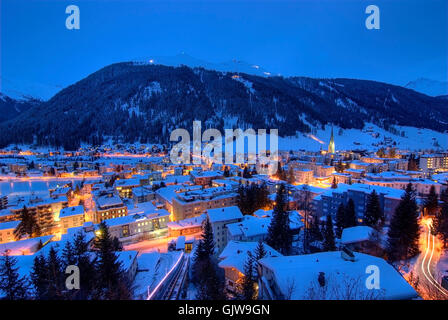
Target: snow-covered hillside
[371, 138]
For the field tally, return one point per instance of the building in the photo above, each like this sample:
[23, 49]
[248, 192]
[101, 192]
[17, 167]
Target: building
[71, 217]
[219, 219]
[204, 178]
[190, 204]
[108, 206]
[129, 262]
[429, 162]
[400, 181]
[362, 239]
[46, 211]
[143, 194]
[187, 226]
[139, 226]
[125, 187]
[328, 202]
[3, 202]
[251, 228]
[326, 276]
[233, 258]
[7, 231]
[305, 176]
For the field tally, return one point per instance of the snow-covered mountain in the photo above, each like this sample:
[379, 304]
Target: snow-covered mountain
[429, 87]
[146, 101]
[10, 108]
[20, 90]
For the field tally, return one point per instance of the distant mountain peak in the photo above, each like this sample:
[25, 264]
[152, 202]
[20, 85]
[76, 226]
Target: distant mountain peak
[429, 87]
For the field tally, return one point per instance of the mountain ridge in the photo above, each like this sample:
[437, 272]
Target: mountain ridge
[146, 102]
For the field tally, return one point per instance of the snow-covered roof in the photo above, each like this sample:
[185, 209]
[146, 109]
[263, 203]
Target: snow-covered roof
[299, 274]
[21, 247]
[109, 201]
[224, 214]
[187, 223]
[250, 226]
[356, 234]
[71, 211]
[9, 225]
[235, 254]
[126, 258]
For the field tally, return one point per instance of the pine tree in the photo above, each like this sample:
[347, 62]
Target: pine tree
[260, 253]
[373, 215]
[279, 232]
[205, 268]
[39, 277]
[441, 224]
[111, 277]
[247, 286]
[350, 214]
[12, 285]
[88, 275]
[334, 184]
[444, 196]
[431, 203]
[226, 172]
[55, 276]
[28, 225]
[68, 254]
[340, 220]
[329, 241]
[404, 230]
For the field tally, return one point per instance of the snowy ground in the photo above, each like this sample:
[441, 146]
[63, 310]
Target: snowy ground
[152, 267]
[414, 139]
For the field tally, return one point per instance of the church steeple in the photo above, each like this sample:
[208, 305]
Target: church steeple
[331, 147]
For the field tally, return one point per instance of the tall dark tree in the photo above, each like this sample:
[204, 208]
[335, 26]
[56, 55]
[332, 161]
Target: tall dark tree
[404, 229]
[39, 278]
[12, 285]
[334, 184]
[431, 203]
[259, 253]
[112, 281]
[226, 171]
[211, 286]
[88, 275]
[350, 214]
[248, 291]
[246, 173]
[373, 215]
[252, 197]
[444, 196]
[441, 224]
[28, 225]
[68, 254]
[329, 241]
[340, 220]
[55, 276]
[279, 232]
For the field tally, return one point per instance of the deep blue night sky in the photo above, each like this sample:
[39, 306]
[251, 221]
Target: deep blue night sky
[309, 38]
